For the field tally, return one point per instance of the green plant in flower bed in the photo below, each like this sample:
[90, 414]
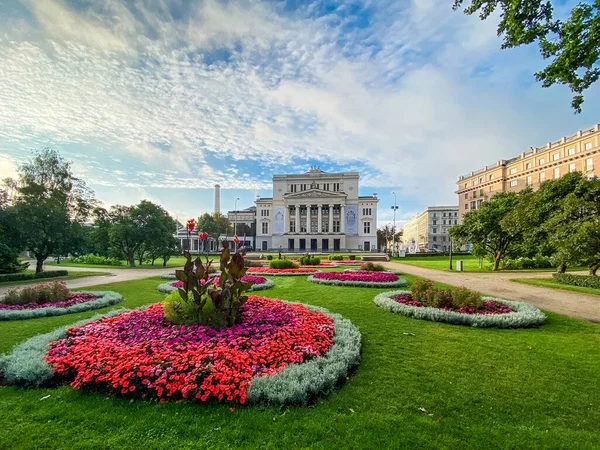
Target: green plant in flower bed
[424, 292]
[589, 281]
[32, 276]
[249, 263]
[282, 264]
[335, 257]
[372, 267]
[40, 293]
[309, 260]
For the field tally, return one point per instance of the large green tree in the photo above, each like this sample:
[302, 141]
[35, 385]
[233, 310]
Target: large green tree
[573, 44]
[486, 229]
[214, 224]
[50, 205]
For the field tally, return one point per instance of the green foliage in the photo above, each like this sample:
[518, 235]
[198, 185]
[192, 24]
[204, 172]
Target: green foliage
[282, 264]
[39, 293]
[461, 297]
[420, 288]
[269, 257]
[425, 292]
[94, 260]
[309, 260]
[372, 267]
[213, 224]
[250, 263]
[589, 281]
[537, 262]
[9, 260]
[200, 302]
[335, 257]
[574, 43]
[352, 257]
[33, 276]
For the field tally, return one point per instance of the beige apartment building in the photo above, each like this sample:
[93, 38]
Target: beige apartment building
[428, 230]
[579, 152]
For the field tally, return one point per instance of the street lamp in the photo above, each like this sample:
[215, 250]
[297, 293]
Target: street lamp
[394, 208]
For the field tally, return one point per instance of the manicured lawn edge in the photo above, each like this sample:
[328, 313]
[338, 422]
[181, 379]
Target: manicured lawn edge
[71, 276]
[525, 315]
[268, 284]
[105, 298]
[548, 283]
[369, 284]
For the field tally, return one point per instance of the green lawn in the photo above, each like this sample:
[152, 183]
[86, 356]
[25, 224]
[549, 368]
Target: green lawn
[175, 261]
[547, 282]
[484, 388]
[71, 276]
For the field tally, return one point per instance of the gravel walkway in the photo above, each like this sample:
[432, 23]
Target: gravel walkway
[574, 304]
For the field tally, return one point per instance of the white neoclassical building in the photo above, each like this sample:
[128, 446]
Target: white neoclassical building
[316, 211]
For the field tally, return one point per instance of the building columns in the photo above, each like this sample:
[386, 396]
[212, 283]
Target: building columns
[330, 218]
[320, 216]
[286, 219]
[342, 218]
[297, 218]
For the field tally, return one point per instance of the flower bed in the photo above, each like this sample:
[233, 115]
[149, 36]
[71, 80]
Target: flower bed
[280, 353]
[358, 278]
[260, 284]
[265, 271]
[76, 303]
[347, 262]
[322, 264]
[494, 312]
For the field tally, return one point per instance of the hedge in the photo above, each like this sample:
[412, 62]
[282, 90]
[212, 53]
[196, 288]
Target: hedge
[431, 254]
[32, 276]
[296, 384]
[105, 298]
[167, 288]
[589, 281]
[525, 315]
[368, 284]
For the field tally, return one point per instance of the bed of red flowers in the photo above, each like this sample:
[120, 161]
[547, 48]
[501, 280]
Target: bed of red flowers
[489, 306]
[373, 277]
[266, 270]
[140, 353]
[215, 280]
[73, 299]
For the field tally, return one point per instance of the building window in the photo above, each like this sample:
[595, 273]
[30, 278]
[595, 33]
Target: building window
[336, 226]
[466, 195]
[303, 226]
[265, 228]
[466, 206]
[336, 187]
[557, 172]
[475, 182]
[434, 230]
[434, 222]
[474, 194]
[491, 177]
[466, 184]
[513, 183]
[435, 239]
[367, 227]
[542, 161]
[325, 226]
[326, 187]
[571, 151]
[314, 226]
[455, 214]
[513, 170]
[555, 157]
[588, 145]
[455, 222]
[528, 165]
[491, 188]
[292, 226]
[528, 180]
[444, 222]
[589, 164]
[481, 179]
[542, 177]
[572, 168]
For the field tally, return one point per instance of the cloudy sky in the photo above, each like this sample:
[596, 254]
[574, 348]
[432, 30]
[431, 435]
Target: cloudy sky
[161, 100]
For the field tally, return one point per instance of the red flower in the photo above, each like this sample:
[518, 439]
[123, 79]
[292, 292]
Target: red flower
[203, 235]
[191, 224]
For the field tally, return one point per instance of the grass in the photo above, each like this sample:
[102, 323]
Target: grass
[174, 261]
[72, 275]
[547, 282]
[485, 388]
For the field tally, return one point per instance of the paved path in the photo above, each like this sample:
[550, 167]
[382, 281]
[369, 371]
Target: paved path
[574, 304]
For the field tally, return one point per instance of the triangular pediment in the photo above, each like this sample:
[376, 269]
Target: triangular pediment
[315, 193]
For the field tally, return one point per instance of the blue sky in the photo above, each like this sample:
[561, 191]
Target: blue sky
[161, 100]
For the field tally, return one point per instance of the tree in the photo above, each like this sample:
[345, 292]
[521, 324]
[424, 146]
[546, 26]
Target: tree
[386, 234]
[165, 249]
[573, 43]
[50, 205]
[214, 224]
[486, 230]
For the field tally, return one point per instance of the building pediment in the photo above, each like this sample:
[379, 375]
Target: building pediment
[315, 193]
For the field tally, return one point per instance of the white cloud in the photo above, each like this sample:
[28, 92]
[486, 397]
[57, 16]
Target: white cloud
[8, 167]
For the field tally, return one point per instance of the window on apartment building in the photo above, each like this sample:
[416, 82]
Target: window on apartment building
[434, 230]
[444, 214]
[491, 188]
[325, 226]
[557, 172]
[455, 222]
[473, 205]
[434, 214]
[589, 164]
[466, 206]
[542, 161]
[481, 192]
[475, 182]
[434, 238]
[466, 195]
[491, 177]
[542, 177]
[434, 222]
[513, 170]
[466, 184]
[555, 157]
[528, 165]
[444, 222]
[513, 183]
[336, 226]
[367, 227]
[474, 194]
[481, 179]
[292, 226]
[528, 180]
[588, 145]
[571, 151]
[572, 168]
[314, 226]
[265, 228]
[303, 226]
[443, 238]
[479, 202]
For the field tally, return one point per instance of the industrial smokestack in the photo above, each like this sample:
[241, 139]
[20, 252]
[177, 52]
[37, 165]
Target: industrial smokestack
[217, 199]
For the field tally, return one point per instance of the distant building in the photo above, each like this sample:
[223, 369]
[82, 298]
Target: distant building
[217, 199]
[578, 152]
[428, 230]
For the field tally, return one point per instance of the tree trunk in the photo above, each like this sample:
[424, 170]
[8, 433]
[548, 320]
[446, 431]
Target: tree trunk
[165, 262]
[593, 269]
[562, 268]
[130, 259]
[497, 258]
[39, 264]
[153, 259]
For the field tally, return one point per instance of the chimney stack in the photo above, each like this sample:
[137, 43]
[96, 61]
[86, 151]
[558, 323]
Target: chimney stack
[217, 199]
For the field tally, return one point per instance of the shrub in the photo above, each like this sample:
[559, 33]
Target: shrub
[92, 259]
[419, 290]
[439, 298]
[248, 263]
[352, 257]
[33, 276]
[589, 281]
[269, 257]
[371, 267]
[538, 262]
[40, 293]
[423, 291]
[309, 260]
[336, 257]
[461, 297]
[282, 264]
[9, 260]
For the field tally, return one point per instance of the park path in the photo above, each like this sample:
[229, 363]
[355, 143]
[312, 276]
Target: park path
[574, 304]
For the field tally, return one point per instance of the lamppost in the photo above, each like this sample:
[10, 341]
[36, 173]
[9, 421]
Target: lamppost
[235, 220]
[394, 208]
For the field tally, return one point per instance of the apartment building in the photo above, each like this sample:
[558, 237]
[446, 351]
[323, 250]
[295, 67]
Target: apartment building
[428, 230]
[578, 152]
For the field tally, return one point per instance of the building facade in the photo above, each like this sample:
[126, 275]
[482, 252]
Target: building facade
[428, 230]
[316, 212]
[579, 152]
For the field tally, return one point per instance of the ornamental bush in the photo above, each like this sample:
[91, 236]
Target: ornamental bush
[39, 293]
[335, 257]
[269, 257]
[282, 264]
[371, 267]
[537, 262]
[248, 263]
[589, 281]
[92, 259]
[33, 276]
[424, 292]
[352, 257]
[309, 260]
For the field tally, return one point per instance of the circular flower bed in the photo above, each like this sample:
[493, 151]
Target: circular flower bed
[494, 312]
[347, 262]
[76, 302]
[358, 278]
[280, 353]
[281, 272]
[260, 284]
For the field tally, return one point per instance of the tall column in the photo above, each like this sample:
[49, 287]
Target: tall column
[297, 218]
[330, 218]
[320, 216]
[342, 219]
[286, 219]
[308, 216]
